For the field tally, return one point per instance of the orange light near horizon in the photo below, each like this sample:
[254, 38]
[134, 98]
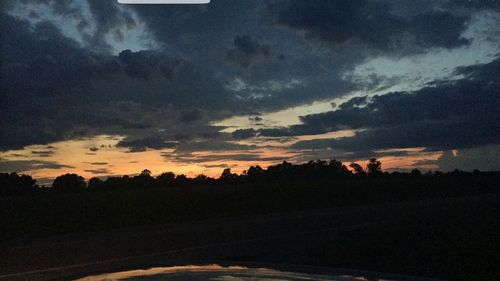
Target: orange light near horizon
[100, 157]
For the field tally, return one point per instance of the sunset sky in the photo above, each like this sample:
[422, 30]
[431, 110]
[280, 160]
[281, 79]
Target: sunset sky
[99, 88]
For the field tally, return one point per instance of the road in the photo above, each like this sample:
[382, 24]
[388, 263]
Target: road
[274, 238]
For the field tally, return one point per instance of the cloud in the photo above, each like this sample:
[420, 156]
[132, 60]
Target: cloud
[484, 158]
[29, 165]
[208, 23]
[371, 25]
[425, 162]
[244, 133]
[141, 144]
[193, 158]
[247, 51]
[54, 89]
[42, 153]
[67, 8]
[58, 86]
[98, 171]
[450, 115]
[477, 4]
[211, 144]
[189, 116]
[109, 19]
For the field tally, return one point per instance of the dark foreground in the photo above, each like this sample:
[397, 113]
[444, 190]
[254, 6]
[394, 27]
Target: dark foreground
[450, 238]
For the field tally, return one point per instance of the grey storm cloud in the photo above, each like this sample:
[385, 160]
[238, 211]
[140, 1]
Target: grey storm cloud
[244, 133]
[345, 156]
[182, 137]
[456, 114]
[64, 8]
[55, 88]
[141, 144]
[108, 19]
[209, 22]
[247, 51]
[28, 165]
[213, 144]
[371, 24]
[190, 158]
[483, 158]
[477, 4]
[225, 34]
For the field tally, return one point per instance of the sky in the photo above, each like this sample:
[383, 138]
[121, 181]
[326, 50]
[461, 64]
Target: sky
[101, 89]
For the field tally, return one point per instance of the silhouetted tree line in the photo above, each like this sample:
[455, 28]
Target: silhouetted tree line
[14, 184]
[312, 171]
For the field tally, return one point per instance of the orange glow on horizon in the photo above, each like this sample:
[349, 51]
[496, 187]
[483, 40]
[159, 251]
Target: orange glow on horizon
[100, 157]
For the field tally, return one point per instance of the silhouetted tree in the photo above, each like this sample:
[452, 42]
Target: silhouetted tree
[14, 184]
[254, 172]
[69, 182]
[202, 179]
[181, 180]
[227, 176]
[95, 183]
[143, 180]
[374, 167]
[358, 170]
[122, 182]
[166, 179]
[280, 175]
[338, 168]
[416, 173]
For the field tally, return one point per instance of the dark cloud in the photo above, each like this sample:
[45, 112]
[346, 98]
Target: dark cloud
[190, 158]
[42, 153]
[56, 88]
[247, 51]
[109, 19]
[211, 144]
[141, 144]
[371, 24]
[255, 119]
[484, 158]
[367, 154]
[53, 89]
[457, 114]
[486, 73]
[212, 22]
[98, 171]
[222, 166]
[28, 165]
[477, 4]
[244, 133]
[425, 162]
[99, 163]
[64, 8]
[189, 116]
[304, 155]
[205, 33]
[139, 64]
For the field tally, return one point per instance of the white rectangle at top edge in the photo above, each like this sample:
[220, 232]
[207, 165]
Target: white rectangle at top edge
[163, 1]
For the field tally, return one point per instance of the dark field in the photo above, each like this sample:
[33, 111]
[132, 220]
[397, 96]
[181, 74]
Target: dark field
[452, 242]
[442, 227]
